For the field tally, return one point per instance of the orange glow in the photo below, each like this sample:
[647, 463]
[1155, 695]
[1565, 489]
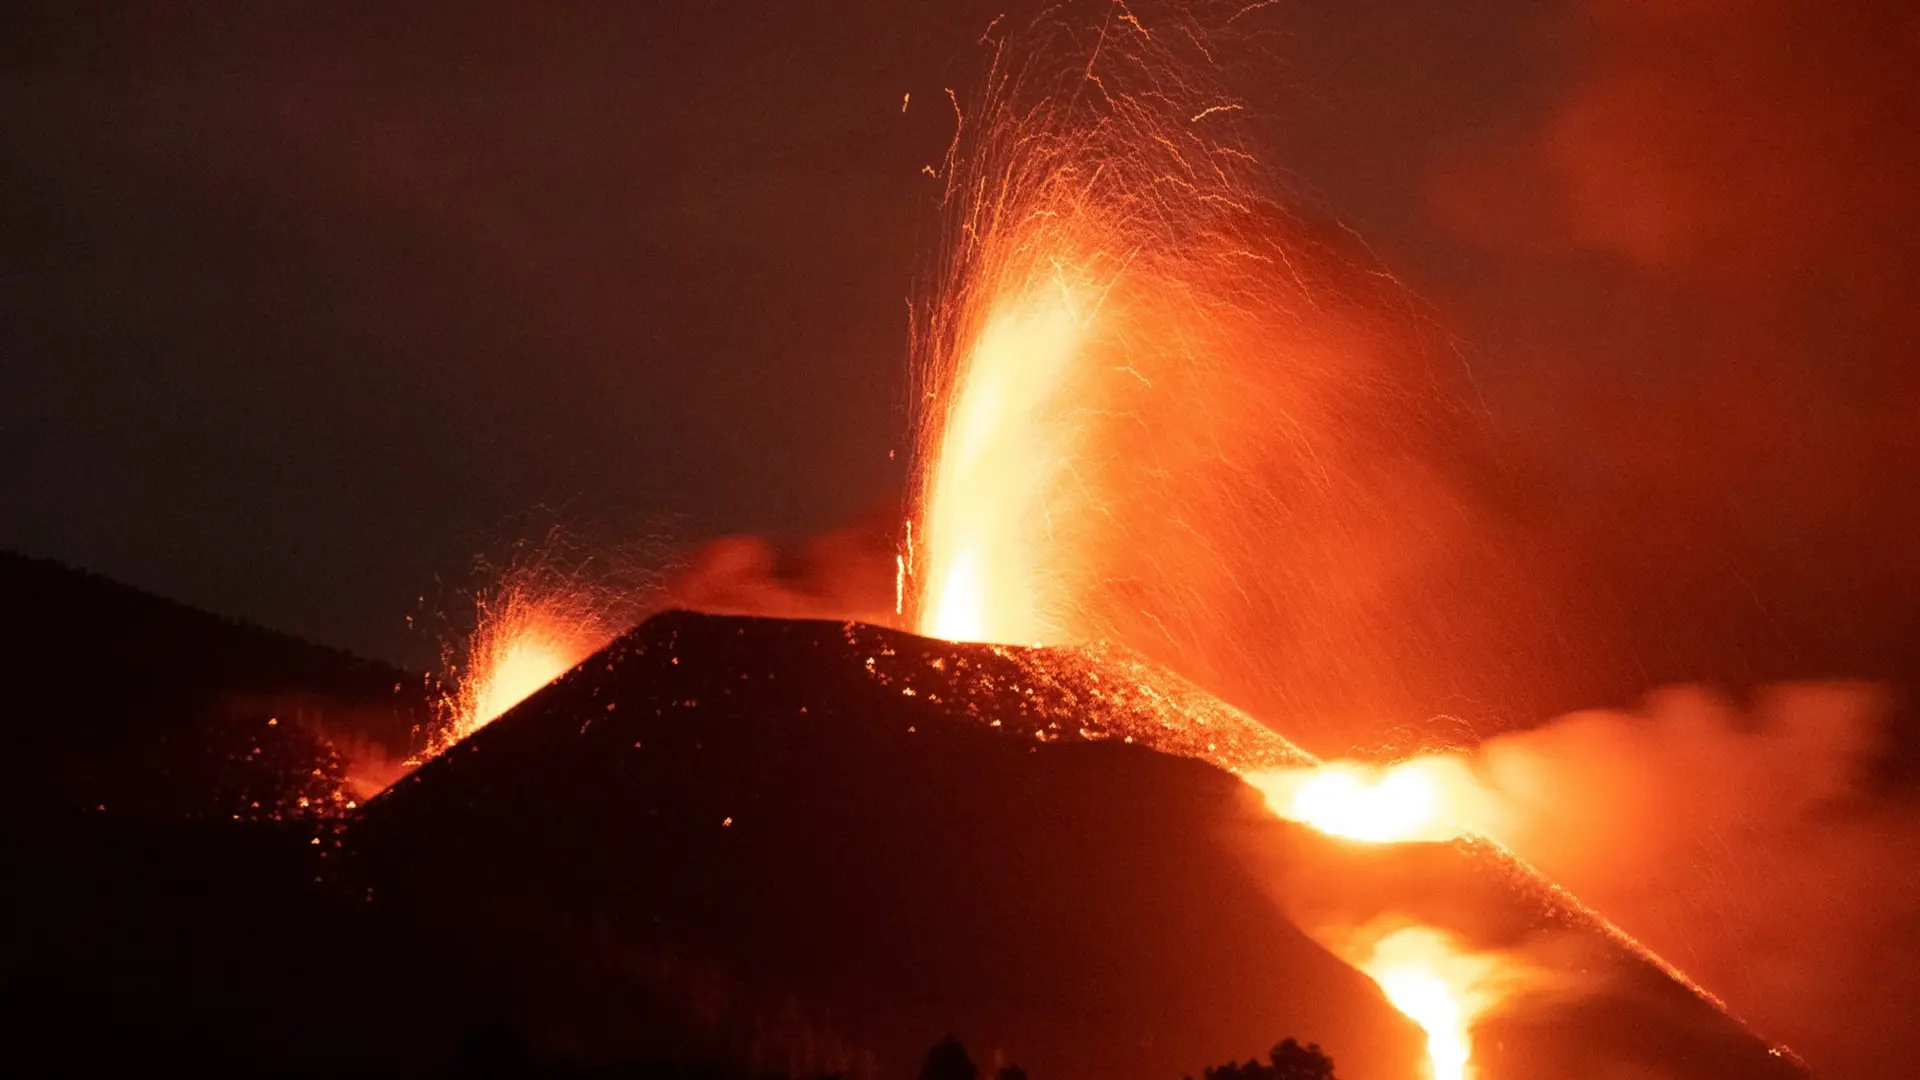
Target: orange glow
[1059, 302]
[1431, 1004]
[1438, 986]
[1422, 972]
[1155, 407]
[1425, 798]
[1160, 412]
[1395, 806]
[1004, 446]
[524, 665]
[530, 629]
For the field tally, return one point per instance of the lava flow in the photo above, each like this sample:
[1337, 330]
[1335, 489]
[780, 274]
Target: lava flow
[1435, 982]
[1438, 986]
[1428, 798]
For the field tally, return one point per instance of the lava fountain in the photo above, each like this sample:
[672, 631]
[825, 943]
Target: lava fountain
[1156, 407]
[1158, 410]
[1004, 449]
[530, 627]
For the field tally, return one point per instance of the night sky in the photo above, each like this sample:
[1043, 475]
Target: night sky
[307, 304]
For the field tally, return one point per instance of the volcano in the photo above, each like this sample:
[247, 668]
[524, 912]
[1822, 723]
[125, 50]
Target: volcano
[797, 848]
[898, 835]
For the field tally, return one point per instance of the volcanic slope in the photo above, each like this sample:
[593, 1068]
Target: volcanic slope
[127, 702]
[825, 845]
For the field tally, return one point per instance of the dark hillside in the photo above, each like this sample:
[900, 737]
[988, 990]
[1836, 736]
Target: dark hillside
[796, 848]
[121, 699]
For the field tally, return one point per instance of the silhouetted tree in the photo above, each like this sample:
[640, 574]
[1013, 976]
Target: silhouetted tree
[1291, 1061]
[948, 1060]
[1287, 1061]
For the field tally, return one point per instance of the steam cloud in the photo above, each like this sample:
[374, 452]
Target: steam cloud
[1751, 847]
[1719, 206]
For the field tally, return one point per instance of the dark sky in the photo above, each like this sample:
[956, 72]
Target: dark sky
[306, 304]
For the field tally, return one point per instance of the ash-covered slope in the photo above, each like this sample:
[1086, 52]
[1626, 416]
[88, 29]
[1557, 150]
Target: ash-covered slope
[119, 699]
[789, 841]
[858, 868]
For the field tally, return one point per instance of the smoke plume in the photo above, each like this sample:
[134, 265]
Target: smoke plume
[847, 573]
[1749, 846]
[1691, 269]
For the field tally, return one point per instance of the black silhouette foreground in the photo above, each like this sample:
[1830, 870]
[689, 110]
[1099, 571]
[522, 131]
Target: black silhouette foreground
[760, 848]
[1288, 1060]
[494, 1053]
[123, 702]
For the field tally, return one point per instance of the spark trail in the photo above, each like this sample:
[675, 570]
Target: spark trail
[1156, 406]
[532, 624]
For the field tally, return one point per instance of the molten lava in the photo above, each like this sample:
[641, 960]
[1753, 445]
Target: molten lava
[1439, 987]
[1421, 971]
[1430, 1003]
[1157, 407]
[1425, 798]
[1145, 420]
[520, 667]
